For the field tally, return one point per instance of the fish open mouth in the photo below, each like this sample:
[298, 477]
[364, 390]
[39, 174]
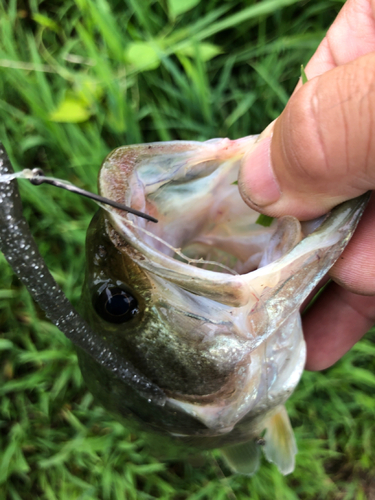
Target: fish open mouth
[191, 188]
[207, 240]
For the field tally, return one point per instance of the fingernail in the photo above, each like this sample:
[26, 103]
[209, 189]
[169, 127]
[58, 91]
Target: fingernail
[257, 181]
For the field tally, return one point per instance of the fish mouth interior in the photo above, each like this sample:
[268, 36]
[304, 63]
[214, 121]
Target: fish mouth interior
[191, 188]
[206, 218]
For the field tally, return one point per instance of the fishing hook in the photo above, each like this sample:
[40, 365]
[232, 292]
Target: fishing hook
[38, 178]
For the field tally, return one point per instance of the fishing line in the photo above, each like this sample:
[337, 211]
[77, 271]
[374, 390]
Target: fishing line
[37, 177]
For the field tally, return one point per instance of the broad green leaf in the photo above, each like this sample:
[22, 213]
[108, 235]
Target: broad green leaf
[205, 51]
[70, 110]
[177, 7]
[142, 55]
[88, 90]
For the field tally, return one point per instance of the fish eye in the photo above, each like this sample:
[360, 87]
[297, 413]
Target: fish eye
[115, 305]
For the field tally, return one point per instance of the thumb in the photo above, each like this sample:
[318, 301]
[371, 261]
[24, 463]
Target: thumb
[321, 150]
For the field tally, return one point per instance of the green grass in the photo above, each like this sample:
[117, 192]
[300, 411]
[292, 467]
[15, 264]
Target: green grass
[78, 78]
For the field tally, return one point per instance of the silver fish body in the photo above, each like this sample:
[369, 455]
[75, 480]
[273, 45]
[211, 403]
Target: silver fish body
[220, 331]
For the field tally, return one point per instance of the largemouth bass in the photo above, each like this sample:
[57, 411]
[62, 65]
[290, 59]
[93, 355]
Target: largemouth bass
[205, 304]
[195, 328]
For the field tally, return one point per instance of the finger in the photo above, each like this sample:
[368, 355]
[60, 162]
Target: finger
[352, 35]
[323, 146]
[336, 321]
[355, 268]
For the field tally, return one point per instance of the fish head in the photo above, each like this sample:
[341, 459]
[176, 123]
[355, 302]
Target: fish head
[205, 303]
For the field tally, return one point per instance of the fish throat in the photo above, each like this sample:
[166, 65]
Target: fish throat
[201, 214]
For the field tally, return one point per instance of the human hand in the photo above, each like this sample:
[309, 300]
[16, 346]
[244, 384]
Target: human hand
[318, 153]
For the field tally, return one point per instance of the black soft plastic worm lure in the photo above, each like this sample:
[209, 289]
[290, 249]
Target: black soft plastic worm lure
[22, 254]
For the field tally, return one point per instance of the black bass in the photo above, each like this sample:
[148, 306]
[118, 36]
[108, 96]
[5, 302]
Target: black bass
[204, 304]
